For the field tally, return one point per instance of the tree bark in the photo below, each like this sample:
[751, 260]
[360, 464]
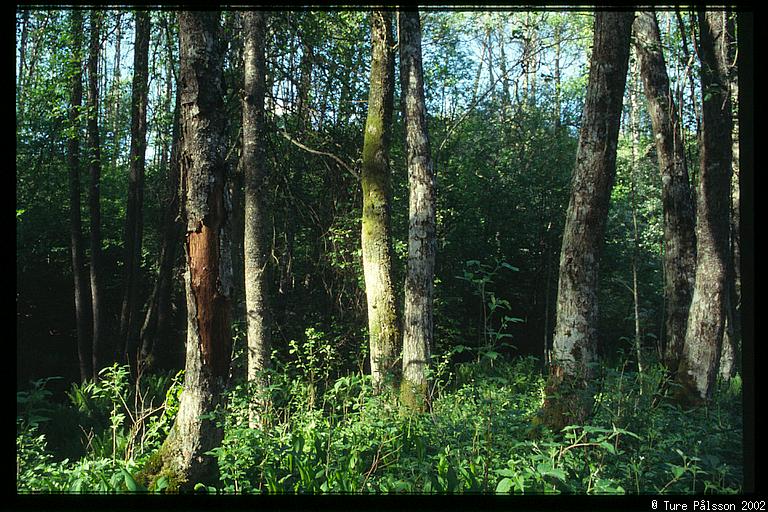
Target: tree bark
[129, 323]
[209, 269]
[700, 360]
[383, 323]
[575, 339]
[677, 207]
[417, 321]
[256, 242]
[98, 349]
[81, 292]
[732, 336]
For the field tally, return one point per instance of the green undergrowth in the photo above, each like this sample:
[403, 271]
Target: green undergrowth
[317, 433]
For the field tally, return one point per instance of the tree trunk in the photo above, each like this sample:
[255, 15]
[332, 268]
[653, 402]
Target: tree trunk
[209, 268]
[635, 140]
[376, 238]
[417, 321]
[732, 335]
[700, 360]
[82, 304]
[98, 350]
[129, 322]
[157, 319]
[679, 235]
[256, 239]
[575, 339]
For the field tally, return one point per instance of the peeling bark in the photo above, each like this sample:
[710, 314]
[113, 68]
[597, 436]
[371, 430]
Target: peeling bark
[209, 267]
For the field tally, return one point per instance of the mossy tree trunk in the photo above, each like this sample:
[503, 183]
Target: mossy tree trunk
[575, 338]
[700, 359]
[677, 206]
[129, 321]
[383, 323]
[417, 317]
[256, 241]
[209, 267]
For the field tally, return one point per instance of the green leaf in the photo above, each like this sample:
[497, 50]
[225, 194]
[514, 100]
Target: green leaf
[677, 471]
[130, 483]
[504, 486]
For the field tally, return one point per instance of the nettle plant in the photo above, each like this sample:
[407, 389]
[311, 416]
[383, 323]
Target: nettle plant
[495, 321]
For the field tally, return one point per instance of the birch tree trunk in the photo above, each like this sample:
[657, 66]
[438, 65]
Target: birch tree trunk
[417, 321]
[575, 338]
[383, 323]
[677, 207]
[209, 268]
[256, 240]
[700, 359]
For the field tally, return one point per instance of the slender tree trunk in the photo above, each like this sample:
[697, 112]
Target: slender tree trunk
[558, 51]
[256, 240]
[114, 105]
[679, 235]
[157, 319]
[732, 335]
[209, 271]
[700, 360]
[575, 340]
[99, 351]
[635, 137]
[82, 303]
[22, 49]
[383, 323]
[417, 320]
[129, 317]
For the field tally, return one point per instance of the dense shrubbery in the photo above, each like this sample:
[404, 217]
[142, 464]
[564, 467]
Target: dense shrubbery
[320, 433]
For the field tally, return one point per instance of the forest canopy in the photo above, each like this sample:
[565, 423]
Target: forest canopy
[349, 250]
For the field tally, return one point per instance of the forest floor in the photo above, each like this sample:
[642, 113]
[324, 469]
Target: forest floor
[321, 434]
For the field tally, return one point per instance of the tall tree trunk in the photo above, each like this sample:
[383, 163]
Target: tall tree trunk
[700, 360]
[383, 323]
[22, 49]
[732, 335]
[635, 141]
[679, 235]
[129, 322]
[157, 318]
[114, 105]
[209, 269]
[256, 239]
[557, 78]
[99, 351]
[82, 303]
[417, 318]
[575, 339]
